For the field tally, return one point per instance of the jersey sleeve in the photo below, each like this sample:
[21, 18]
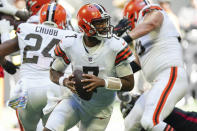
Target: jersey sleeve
[61, 61]
[150, 8]
[63, 47]
[59, 65]
[124, 57]
[20, 31]
[123, 70]
[34, 19]
[122, 62]
[123, 52]
[59, 52]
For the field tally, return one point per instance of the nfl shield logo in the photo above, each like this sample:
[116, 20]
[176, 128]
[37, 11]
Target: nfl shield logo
[90, 59]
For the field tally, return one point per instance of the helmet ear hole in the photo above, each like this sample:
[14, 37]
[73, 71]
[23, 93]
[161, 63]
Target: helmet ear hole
[131, 16]
[38, 6]
[84, 26]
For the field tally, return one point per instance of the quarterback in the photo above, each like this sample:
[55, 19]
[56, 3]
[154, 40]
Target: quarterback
[103, 58]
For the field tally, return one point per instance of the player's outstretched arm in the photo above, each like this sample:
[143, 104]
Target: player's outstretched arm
[7, 8]
[9, 46]
[8, 66]
[152, 21]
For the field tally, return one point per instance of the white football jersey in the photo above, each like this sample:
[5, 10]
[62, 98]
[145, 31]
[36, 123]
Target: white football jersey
[34, 19]
[160, 48]
[105, 61]
[36, 43]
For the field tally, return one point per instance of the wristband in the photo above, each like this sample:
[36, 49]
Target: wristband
[135, 67]
[106, 83]
[61, 80]
[112, 83]
[128, 39]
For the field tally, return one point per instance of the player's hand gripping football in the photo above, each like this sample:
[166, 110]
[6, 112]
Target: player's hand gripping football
[69, 83]
[122, 27]
[93, 81]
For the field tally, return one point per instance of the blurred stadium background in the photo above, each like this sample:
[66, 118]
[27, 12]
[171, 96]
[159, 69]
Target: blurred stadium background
[8, 120]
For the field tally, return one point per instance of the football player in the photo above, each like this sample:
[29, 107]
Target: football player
[160, 55]
[178, 119]
[31, 14]
[5, 29]
[103, 58]
[33, 6]
[36, 42]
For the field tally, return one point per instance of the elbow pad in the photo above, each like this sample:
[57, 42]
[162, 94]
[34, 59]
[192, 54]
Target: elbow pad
[58, 65]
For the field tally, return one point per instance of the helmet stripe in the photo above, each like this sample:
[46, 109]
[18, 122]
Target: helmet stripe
[99, 8]
[47, 15]
[146, 2]
[53, 15]
[51, 11]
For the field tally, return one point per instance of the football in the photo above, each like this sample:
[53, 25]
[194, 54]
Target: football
[79, 85]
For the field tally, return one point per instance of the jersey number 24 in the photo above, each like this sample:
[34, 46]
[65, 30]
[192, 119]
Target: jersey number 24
[36, 47]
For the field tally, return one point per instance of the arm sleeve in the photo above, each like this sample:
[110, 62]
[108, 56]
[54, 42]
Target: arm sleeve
[123, 69]
[58, 52]
[61, 61]
[59, 65]
[123, 59]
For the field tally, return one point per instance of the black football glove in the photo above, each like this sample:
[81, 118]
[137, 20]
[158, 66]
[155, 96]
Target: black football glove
[127, 105]
[9, 67]
[121, 27]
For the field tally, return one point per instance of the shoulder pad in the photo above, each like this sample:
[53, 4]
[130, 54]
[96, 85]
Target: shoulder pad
[25, 27]
[117, 44]
[149, 8]
[34, 19]
[68, 39]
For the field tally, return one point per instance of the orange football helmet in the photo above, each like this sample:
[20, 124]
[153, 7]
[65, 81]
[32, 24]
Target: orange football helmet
[33, 6]
[93, 20]
[132, 9]
[53, 14]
